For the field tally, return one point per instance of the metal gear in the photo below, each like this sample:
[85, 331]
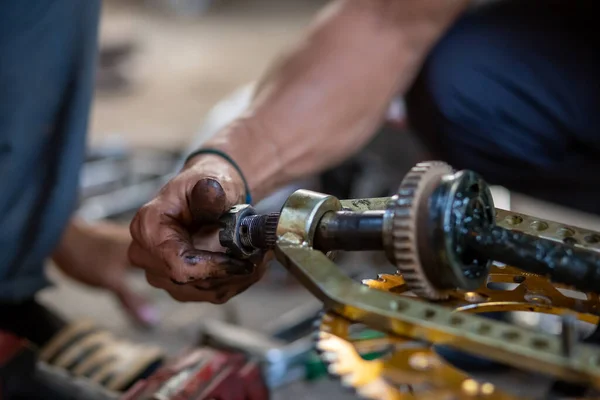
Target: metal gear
[413, 194]
[404, 369]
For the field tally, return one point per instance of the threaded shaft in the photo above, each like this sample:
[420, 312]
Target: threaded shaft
[259, 231]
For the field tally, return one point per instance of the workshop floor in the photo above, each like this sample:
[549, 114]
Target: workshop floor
[181, 68]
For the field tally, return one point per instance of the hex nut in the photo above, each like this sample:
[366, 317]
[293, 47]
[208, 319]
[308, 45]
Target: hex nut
[229, 235]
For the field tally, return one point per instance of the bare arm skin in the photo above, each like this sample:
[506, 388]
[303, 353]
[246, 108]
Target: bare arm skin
[324, 100]
[317, 106]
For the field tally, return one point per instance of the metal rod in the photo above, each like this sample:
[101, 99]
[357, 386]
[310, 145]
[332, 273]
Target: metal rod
[350, 231]
[559, 262]
[342, 230]
[363, 231]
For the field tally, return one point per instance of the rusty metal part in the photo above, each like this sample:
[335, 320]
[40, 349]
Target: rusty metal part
[409, 215]
[561, 263]
[340, 230]
[244, 232]
[550, 230]
[263, 237]
[408, 369]
[350, 231]
[439, 230]
[413, 318]
[405, 363]
[231, 228]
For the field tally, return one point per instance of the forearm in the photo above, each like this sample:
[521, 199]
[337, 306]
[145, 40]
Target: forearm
[79, 235]
[325, 99]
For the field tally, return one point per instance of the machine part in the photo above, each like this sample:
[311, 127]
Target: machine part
[264, 238]
[84, 350]
[409, 224]
[559, 261]
[404, 363]
[232, 230]
[415, 319]
[409, 370]
[442, 233]
[349, 231]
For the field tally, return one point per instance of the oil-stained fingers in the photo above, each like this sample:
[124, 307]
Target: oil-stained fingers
[191, 266]
[207, 201]
[195, 264]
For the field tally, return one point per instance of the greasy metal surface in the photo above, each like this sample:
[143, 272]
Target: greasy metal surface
[437, 324]
[350, 231]
[459, 198]
[558, 261]
[413, 318]
[550, 230]
[300, 216]
[422, 262]
[229, 235]
[358, 228]
[376, 203]
[259, 231]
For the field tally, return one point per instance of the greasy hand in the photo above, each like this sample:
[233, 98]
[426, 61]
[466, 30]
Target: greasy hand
[175, 236]
[96, 255]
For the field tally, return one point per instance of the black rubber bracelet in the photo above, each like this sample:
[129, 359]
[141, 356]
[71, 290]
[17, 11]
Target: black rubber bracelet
[226, 157]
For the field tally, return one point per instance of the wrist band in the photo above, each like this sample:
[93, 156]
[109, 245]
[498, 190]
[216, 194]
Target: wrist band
[227, 158]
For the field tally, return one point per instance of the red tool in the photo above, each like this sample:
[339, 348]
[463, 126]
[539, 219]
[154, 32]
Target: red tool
[201, 375]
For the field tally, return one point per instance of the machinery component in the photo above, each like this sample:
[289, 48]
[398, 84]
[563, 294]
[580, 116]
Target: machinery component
[263, 238]
[231, 232]
[408, 369]
[408, 317]
[440, 232]
[409, 212]
[456, 212]
[85, 351]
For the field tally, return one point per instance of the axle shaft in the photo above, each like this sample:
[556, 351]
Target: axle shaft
[342, 230]
[363, 231]
[559, 262]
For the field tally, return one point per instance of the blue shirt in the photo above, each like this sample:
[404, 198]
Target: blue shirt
[47, 61]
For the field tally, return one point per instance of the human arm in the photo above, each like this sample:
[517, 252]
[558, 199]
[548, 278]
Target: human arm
[316, 106]
[96, 255]
[324, 100]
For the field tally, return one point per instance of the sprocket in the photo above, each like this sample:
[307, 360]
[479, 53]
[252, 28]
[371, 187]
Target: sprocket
[405, 369]
[407, 205]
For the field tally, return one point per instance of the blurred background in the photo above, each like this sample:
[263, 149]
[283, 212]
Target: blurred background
[171, 72]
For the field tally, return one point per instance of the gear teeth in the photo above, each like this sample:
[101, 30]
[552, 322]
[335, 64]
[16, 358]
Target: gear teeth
[405, 246]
